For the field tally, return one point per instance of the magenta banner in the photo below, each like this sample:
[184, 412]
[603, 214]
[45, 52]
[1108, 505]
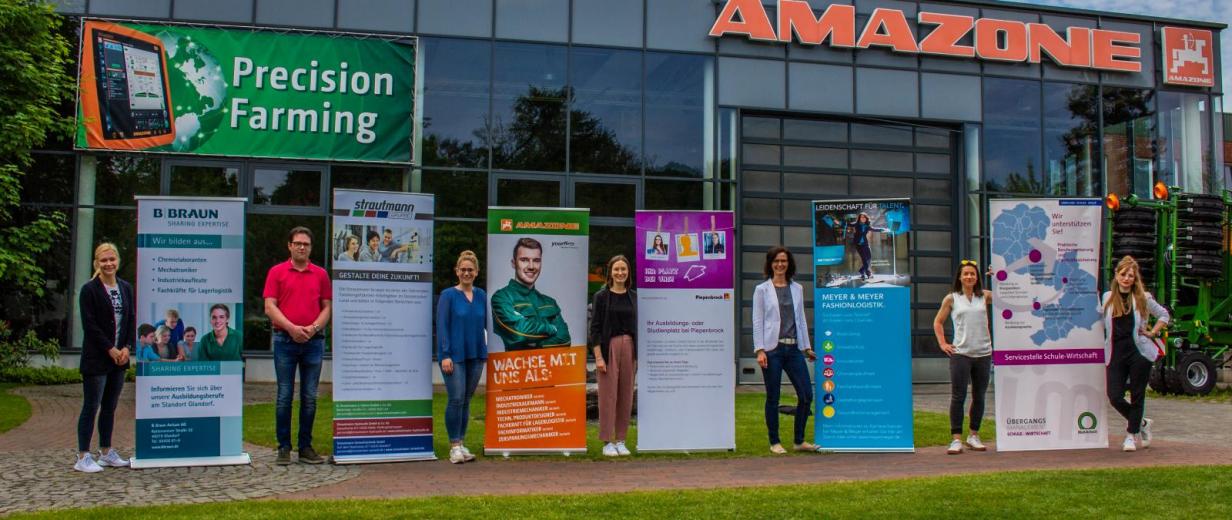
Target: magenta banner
[1048, 357]
[685, 249]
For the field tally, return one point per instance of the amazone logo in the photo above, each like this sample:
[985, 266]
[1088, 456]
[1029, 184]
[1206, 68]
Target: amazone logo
[996, 40]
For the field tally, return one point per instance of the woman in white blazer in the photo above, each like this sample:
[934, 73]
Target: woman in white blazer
[780, 337]
[1130, 348]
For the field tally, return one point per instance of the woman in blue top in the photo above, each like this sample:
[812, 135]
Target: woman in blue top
[462, 348]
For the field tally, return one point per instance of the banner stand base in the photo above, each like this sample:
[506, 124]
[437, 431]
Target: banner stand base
[823, 449]
[685, 451]
[378, 460]
[230, 460]
[533, 451]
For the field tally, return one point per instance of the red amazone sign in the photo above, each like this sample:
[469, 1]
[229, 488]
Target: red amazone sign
[997, 40]
[1189, 57]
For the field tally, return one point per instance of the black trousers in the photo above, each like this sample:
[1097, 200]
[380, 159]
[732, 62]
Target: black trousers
[100, 395]
[963, 371]
[1129, 372]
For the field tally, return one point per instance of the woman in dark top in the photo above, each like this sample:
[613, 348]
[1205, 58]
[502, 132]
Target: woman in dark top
[108, 320]
[613, 336]
[462, 348]
[1130, 349]
[862, 227]
[781, 342]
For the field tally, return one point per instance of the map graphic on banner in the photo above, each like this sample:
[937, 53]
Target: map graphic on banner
[683, 273]
[862, 310]
[190, 286]
[1048, 333]
[536, 371]
[382, 326]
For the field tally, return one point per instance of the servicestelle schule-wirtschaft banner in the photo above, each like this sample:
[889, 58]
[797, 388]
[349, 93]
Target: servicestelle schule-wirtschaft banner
[686, 330]
[382, 326]
[190, 279]
[862, 312]
[536, 373]
[1048, 332]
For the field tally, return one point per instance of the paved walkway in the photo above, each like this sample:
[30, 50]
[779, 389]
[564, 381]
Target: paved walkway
[38, 457]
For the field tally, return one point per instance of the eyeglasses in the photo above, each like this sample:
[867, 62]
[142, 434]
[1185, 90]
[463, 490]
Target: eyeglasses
[301, 244]
[969, 262]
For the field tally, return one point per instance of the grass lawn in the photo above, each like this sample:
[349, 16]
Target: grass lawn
[931, 429]
[1190, 492]
[14, 409]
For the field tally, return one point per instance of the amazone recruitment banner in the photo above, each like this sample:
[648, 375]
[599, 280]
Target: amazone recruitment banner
[382, 326]
[190, 285]
[244, 92]
[536, 397]
[862, 311]
[686, 331]
[1048, 335]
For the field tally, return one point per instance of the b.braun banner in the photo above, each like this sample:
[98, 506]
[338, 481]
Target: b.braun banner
[242, 92]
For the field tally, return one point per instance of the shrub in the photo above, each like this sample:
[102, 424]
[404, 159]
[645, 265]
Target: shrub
[50, 375]
[16, 353]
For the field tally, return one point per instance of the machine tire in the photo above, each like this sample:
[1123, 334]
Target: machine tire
[1145, 241]
[1156, 379]
[1200, 244]
[1195, 373]
[1199, 233]
[1200, 214]
[1132, 226]
[1199, 272]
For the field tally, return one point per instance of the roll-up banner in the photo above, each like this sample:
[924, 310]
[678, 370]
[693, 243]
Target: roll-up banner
[190, 286]
[862, 313]
[190, 89]
[686, 331]
[382, 326]
[536, 397]
[1048, 332]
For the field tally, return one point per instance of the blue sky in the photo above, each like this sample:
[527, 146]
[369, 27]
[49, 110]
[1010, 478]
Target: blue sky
[1205, 10]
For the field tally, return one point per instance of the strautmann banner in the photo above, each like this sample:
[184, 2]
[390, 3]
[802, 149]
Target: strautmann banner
[244, 92]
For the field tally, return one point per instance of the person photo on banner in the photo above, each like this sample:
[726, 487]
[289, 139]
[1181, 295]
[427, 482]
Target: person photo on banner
[108, 319]
[297, 301]
[221, 343]
[162, 344]
[613, 338]
[371, 253]
[971, 352]
[781, 341]
[146, 352]
[171, 319]
[188, 345]
[462, 348]
[860, 230]
[390, 249]
[658, 246]
[350, 252]
[715, 248]
[1130, 348]
[526, 318]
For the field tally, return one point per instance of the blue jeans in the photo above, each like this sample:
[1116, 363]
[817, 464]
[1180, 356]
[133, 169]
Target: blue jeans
[460, 385]
[100, 395]
[787, 358]
[289, 355]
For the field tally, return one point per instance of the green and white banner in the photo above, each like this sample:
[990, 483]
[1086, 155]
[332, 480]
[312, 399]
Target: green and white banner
[244, 92]
[190, 288]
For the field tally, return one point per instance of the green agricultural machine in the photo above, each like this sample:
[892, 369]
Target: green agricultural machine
[1181, 242]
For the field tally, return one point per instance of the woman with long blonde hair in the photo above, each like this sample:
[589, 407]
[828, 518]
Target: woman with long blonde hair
[108, 321]
[1130, 348]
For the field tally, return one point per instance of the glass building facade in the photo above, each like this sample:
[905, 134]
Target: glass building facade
[619, 105]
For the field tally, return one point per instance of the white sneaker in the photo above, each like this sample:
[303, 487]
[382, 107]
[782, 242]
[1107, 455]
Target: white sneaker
[86, 464]
[622, 450]
[973, 442]
[113, 459]
[609, 450]
[1128, 445]
[1145, 433]
[955, 448]
[467, 453]
[456, 456]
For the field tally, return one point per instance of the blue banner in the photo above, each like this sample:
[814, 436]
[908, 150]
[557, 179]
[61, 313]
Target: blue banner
[862, 303]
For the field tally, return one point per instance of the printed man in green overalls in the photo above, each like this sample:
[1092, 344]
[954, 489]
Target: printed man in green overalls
[526, 318]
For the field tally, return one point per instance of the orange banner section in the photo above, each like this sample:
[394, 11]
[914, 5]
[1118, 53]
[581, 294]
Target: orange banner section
[536, 401]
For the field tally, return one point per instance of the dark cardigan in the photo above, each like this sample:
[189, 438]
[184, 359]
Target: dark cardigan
[600, 333]
[98, 326]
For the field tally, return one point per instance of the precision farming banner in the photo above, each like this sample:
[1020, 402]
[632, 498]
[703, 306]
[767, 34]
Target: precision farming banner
[190, 270]
[862, 304]
[1048, 335]
[686, 330]
[243, 92]
[536, 369]
[382, 327]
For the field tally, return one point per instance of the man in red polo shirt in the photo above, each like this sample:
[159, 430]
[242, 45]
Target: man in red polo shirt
[297, 301]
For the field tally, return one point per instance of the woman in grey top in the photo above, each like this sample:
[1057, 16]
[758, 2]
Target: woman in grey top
[780, 337]
[970, 353]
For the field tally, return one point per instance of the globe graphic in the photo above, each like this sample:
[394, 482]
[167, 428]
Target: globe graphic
[198, 91]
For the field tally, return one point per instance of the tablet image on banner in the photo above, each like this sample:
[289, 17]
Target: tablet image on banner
[190, 287]
[382, 326]
[686, 334]
[536, 372]
[1048, 335]
[862, 313]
